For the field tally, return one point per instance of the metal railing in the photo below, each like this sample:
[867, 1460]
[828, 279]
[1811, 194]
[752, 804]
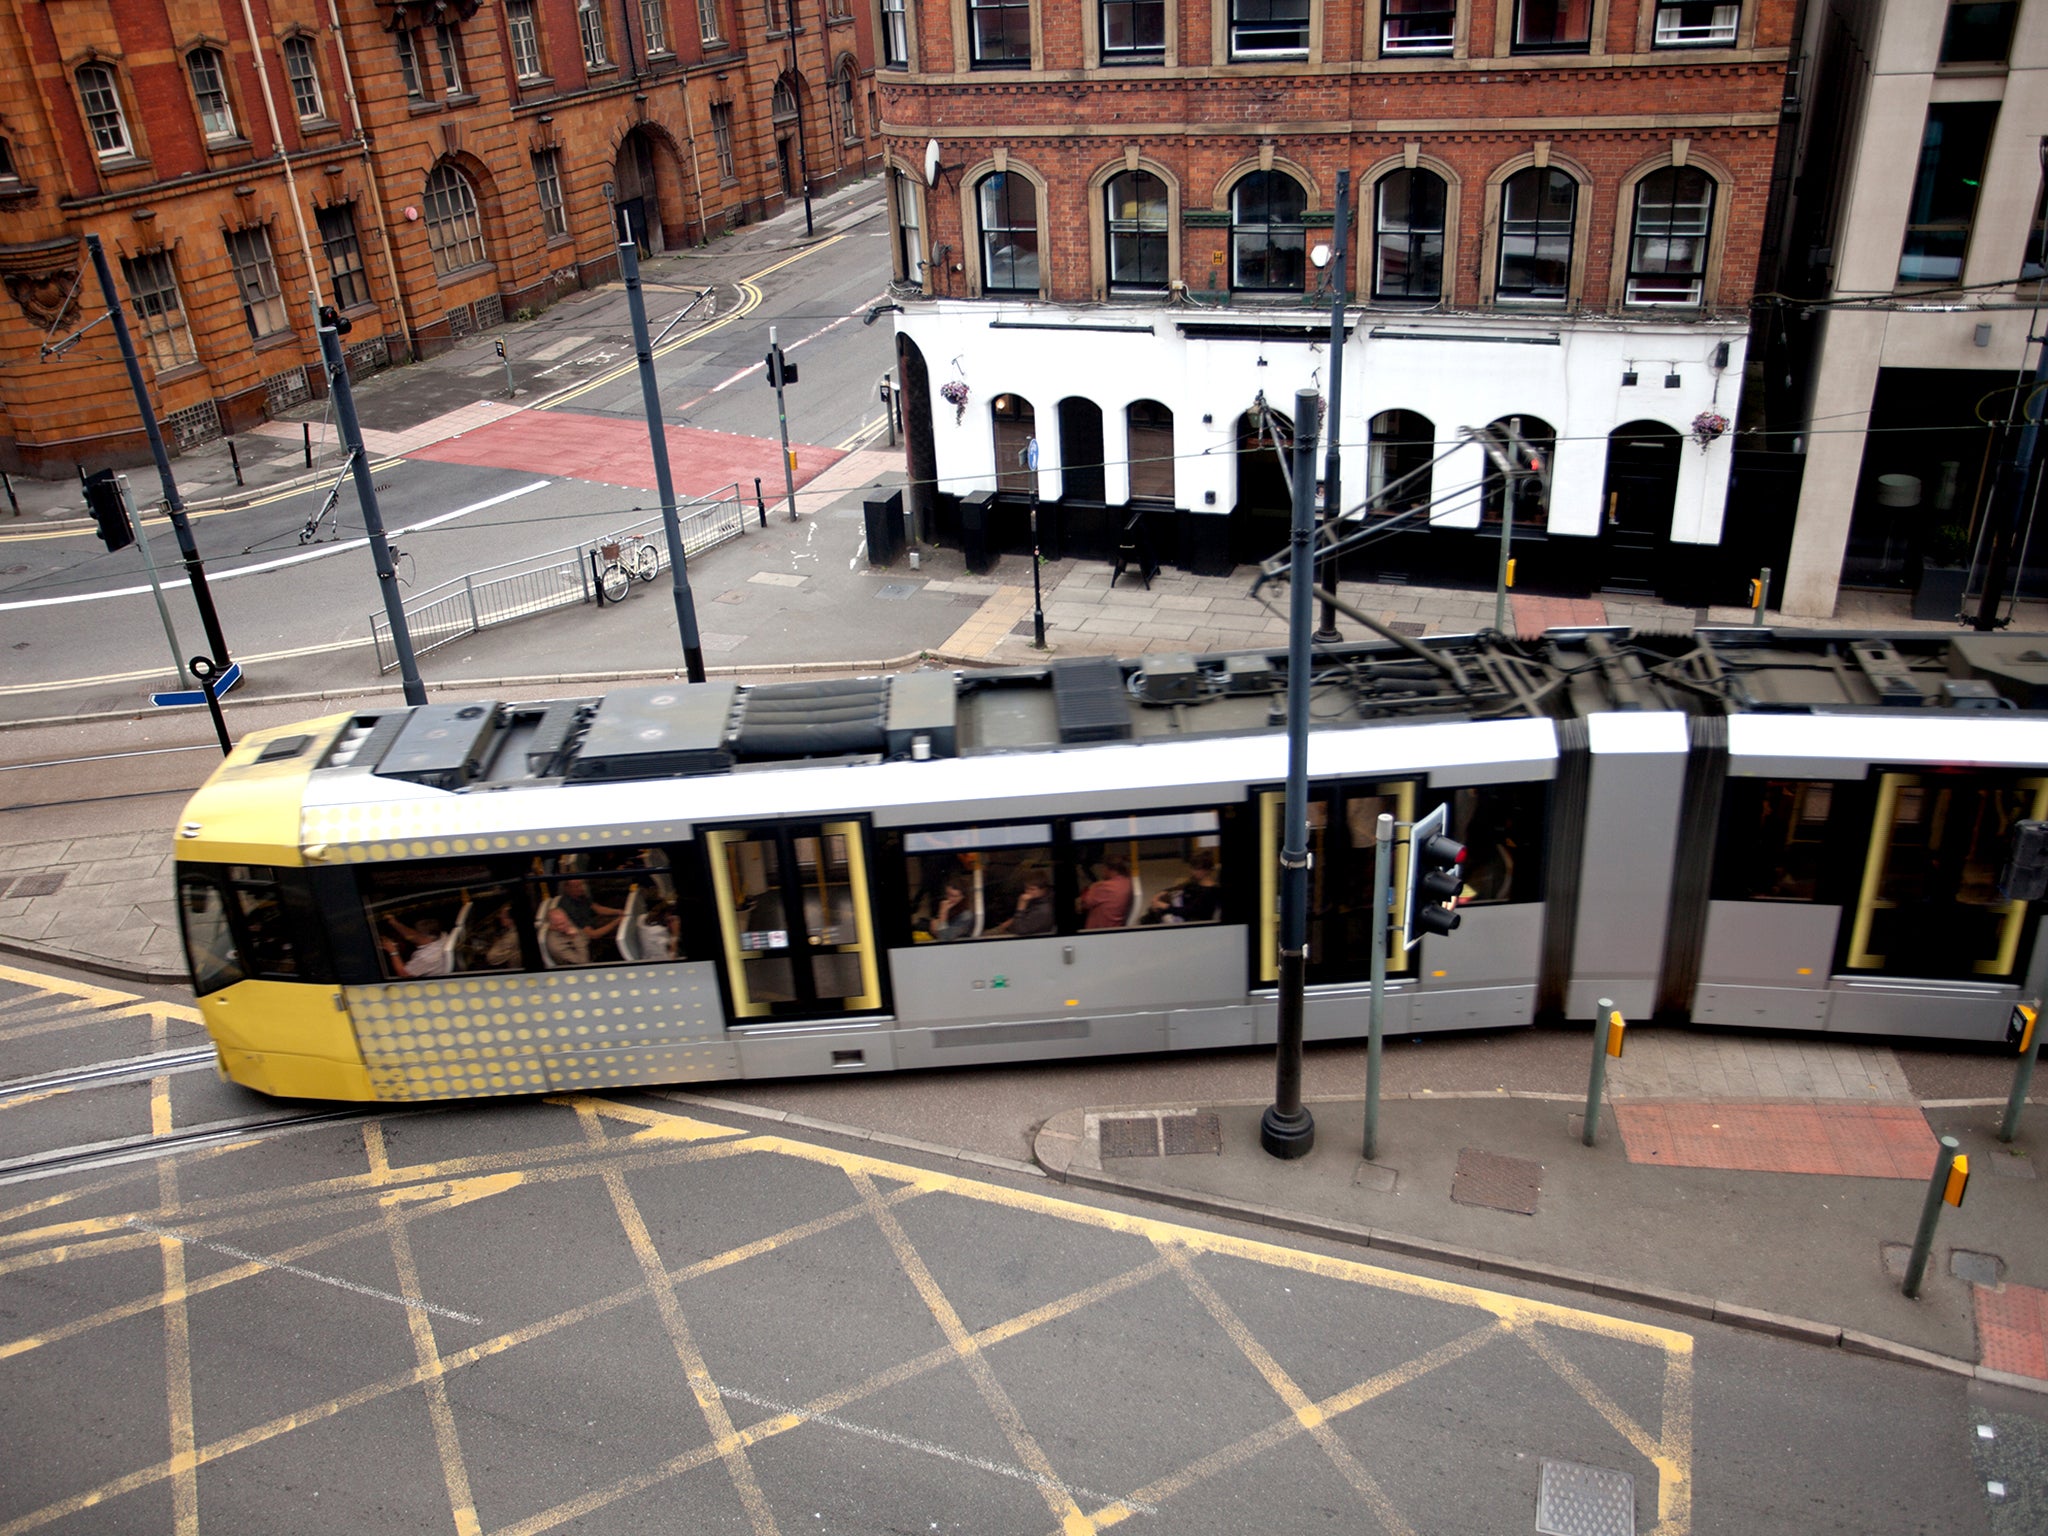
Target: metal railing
[499, 594]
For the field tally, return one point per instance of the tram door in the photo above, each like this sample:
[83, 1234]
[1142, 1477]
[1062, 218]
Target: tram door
[795, 918]
[1929, 903]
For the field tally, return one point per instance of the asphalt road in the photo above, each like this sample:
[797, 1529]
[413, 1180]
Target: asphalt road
[631, 1313]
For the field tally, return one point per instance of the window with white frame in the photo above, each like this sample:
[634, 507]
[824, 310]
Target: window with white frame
[1133, 31]
[590, 26]
[1266, 29]
[1667, 250]
[1009, 233]
[909, 233]
[1135, 218]
[448, 52]
[1695, 23]
[103, 117]
[345, 276]
[210, 91]
[524, 29]
[256, 278]
[782, 102]
[547, 181]
[301, 70]
[1408, 236]
[721, 139]
[849, 114]
[1538, 214]
[895, 38]
[409, 63]
[999, 33]
[454, 231]
[654, 25]
[159, 316]
[708, 27]
[1418, 26]
[1268, 241]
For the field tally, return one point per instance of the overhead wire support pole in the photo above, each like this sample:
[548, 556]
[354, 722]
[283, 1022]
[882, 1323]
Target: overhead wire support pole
[373, 516]
[1287, 1130]
[195, 571]
[1333, 502]
[803, 159]
[664, 484]
[777, 374]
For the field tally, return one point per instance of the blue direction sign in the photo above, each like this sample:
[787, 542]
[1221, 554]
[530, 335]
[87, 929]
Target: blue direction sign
[227, 680]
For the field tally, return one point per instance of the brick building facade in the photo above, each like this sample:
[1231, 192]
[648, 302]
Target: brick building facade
[1558, 208]
[428, 166]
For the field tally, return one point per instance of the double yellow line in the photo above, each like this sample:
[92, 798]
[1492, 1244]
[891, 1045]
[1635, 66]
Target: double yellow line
[750, 300]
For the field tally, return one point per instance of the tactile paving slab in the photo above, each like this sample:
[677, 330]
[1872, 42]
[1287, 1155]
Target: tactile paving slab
[1585, 1501]
[1130, 1136]
[1872, 1141]
[1192, 1133]
[2012, 1329]
[1496, 1182]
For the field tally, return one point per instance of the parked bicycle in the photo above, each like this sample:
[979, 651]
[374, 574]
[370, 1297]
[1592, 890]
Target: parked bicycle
[626, 557]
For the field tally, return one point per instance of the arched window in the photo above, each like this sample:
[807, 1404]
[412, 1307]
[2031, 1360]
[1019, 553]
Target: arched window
[1136, 214]
[210, 90]
[1398, 459]
[103, 118]
[1015, 423]
[1538, 209]
[1408, 236]
[454, 232]
[849, 119]
[1009, 233]
[1532, 491]
[1667, 252]
[1149, 428]
[1267, 239]
[782, 105]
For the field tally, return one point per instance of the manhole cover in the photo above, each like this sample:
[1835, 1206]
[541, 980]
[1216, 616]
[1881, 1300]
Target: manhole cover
[1985, 1269]
[2010, 1165]
[1585, 1501]
[39, 885]
[1192, 1133]
[1130, 1136]
[896, 591]
[1408, 627]
[1496, 1182]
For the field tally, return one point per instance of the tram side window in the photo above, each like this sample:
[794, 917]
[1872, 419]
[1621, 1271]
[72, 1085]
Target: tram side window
[1774, 840]
[980, 883]
[209, 941]
[440, 917]
[1501, 826]
[605, 908]
[1142, 871]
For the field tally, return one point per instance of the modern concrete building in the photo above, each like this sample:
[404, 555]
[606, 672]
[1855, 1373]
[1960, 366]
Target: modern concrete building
[1114, 226]
[1915, 236]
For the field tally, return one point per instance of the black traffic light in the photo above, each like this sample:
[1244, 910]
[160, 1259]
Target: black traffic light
[109, 509]
[1437, 879]
[335, 320]
[781, 370]
[2024, 875]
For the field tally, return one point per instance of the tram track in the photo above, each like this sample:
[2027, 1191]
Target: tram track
[127, 1069]
[87, 1156]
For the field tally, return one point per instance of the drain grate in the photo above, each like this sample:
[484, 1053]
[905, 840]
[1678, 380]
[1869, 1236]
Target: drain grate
[1407, 627]
[1585, 1501]
[1130, 1136]
[1496, 1182]
[1192, 1133]
[39, 885]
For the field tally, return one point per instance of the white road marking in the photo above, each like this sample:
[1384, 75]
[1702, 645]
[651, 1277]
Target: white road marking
[555, 349]
[304, 1274]
[321, 553]
[944, 1453]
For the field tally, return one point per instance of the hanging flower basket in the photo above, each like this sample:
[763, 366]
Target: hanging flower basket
[954, 393]
[1707, 426]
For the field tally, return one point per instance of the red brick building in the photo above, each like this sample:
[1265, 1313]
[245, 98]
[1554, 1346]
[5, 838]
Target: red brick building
[427, 166]
[1580, 182]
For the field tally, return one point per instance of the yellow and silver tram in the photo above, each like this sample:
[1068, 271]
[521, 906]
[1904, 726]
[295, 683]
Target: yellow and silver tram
[682, 883]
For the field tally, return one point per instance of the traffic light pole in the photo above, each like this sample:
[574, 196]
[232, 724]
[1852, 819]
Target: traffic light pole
[782, 420]
[195, 572]
[1287, 1130]
[373, 515]
[1333, 499]
[1382, 894]
[664, 484]
[156, 586]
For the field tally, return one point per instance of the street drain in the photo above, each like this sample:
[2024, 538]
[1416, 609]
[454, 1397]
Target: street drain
[1192, 1133]
[1130, 1136]
[1496, 1182]
[39, 885]
[1585, 1501]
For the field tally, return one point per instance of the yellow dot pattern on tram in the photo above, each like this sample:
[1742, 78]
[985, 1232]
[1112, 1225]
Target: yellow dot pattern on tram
[467, 1037]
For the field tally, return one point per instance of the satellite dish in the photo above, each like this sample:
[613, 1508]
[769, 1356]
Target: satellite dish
[1320, 255]
[931, 162]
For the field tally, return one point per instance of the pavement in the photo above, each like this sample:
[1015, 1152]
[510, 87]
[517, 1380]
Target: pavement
[1764, 1183]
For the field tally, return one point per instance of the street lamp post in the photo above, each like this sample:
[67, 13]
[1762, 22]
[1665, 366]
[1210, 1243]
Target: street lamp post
[1287, 1130]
